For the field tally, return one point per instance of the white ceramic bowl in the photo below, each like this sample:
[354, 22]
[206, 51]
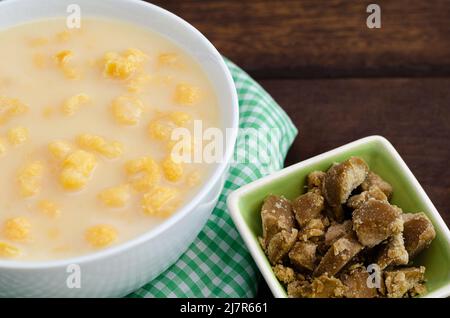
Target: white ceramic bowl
[121, 269]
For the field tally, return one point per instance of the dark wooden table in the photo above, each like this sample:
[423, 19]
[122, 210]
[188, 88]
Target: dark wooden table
[339, 80]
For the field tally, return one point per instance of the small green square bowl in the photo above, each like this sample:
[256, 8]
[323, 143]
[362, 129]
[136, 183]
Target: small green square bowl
[245, 204]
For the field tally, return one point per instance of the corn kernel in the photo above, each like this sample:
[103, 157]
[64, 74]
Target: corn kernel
[72, 179]
[73, 104]
[122, 66]
[143, 173]
[8, 250]
[135, 84]
[63, 36]
[2, 146]
[39, 60]
[112, 149]
[168, 59]
[60, 149]
[101, 235]
[35, 42]
[115, 197]
[17, 229]
[10, 107]
[160, 130]
[127, 110]
[47, 111]
[17, 135]
[48, 208]
[158, 202]
[179, 118]
[62, 57]
[172, 170]
[186, 94]
[83, 161]
[29, 179]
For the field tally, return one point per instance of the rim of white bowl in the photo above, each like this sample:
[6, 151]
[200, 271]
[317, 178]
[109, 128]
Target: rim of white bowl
[201, 193]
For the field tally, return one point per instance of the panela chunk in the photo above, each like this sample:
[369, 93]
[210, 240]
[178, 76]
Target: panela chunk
[314, 229]
[393, 252]
[307, 207]
[341, 179]
[374, 180]
[303, 255]
[284, 274]
[338, 230]
[339, 254]
[399, 282]
[324, 286]
[315, 179]
[418, 232]
[280, 245]
[375, 221]
[356, 285]
[357, 200]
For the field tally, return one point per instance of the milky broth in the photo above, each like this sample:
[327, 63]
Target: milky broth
[168, 83]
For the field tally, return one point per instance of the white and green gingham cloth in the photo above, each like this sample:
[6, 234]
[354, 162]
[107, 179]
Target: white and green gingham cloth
[218, 264]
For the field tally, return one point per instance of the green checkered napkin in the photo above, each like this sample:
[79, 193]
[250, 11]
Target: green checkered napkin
[218, 264]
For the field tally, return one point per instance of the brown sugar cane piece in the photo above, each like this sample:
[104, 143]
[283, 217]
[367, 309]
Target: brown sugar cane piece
[338, 255]
[418, 232]
[280, 245]
[375, 180]
[284, 274]
[276, 216]
[303, 255]
[374, 192]
[323, 286]
[338, 230]
[393, 252]
[314, 180]
[399, 282]
[356, 285]
[307, 206]
[375, 221]
[315, 229]
[340, 180]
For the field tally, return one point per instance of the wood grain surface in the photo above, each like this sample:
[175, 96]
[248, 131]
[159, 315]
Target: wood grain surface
[340, 81]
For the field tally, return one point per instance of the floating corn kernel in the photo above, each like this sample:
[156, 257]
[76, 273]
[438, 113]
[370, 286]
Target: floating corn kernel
[39, 60]
[72, 179]
[122, 66]
[144, 173]
[115, 197]
[173, 171]
[78, 166]
[63, 36]
[8, 250]
[10, 107]
[186, 94]
[2, 146]
[101, 235]
[179, 118]
[73, 104]
[17, 135]
[29, 179]
[62, 57]
[62, 60]
[48, 208]
[159, 201]
[160, 129]
[81, 160]
[17, 229]
[134, 85]
[127, 110]
[112, 149]
[168, 59]
[35, 42]
[47, 112]
[193, 179]
[60, 149]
